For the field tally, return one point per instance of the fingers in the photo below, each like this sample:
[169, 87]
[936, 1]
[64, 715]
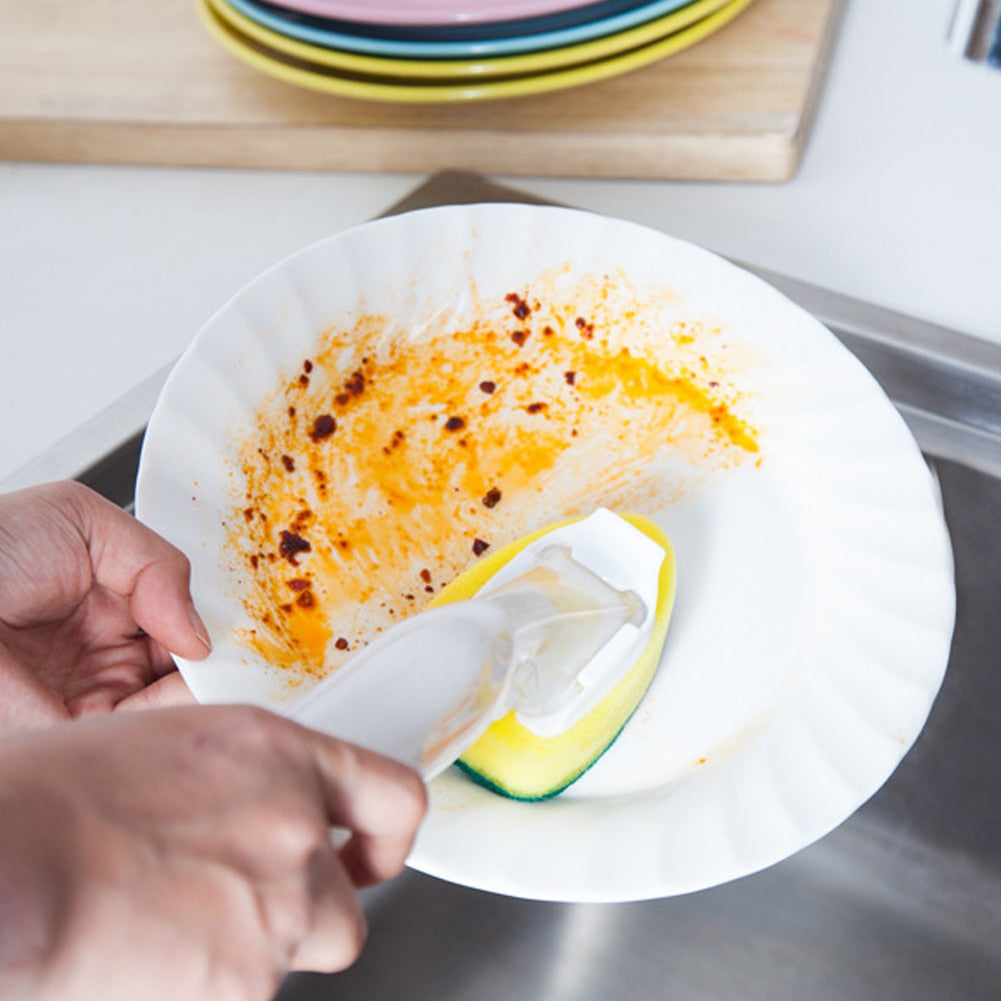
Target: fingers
[380, 801]
[338, 929]
[235, 805]
[170, 690]
[307, 887]
[133, 561]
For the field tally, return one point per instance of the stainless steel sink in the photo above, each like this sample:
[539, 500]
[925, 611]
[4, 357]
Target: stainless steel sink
[902, 901]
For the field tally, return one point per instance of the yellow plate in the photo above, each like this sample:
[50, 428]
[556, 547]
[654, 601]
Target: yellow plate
[304, 73]
[455, 69]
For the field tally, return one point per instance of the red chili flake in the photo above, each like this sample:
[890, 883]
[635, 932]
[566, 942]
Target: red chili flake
[304, 380]
[248, 513]
[305, 600]
[520, 336]
[353, 386]
[455, 423]
[291, 411]
[299, 584]
[480, 547]
[488, 386]
[291, 545]
[429, 589]
[571, 377]
[586, 329]
[492, 498]
[536, 408]
[341, 643]
[323, 427]
[307, 366]
[713, 384]
[394, 442]
[426, 576]
[409, 597]
[289, 463]
[521, 308]
[547, 331]
[255, 561]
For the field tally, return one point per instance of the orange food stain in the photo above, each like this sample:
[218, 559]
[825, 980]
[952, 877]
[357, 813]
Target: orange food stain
[393, 496]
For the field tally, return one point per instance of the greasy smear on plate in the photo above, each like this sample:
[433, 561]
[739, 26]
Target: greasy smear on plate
[394, 456]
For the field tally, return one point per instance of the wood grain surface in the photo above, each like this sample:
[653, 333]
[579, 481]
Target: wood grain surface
[142, 81]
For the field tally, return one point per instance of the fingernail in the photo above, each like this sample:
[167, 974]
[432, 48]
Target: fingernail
[199, 627]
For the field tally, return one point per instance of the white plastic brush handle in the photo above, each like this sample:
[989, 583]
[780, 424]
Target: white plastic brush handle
[422, 692]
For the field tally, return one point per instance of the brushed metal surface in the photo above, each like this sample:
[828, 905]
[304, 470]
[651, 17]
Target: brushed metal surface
[902, 901]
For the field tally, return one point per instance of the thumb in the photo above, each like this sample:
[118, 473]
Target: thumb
[161, 604]
[131, 560]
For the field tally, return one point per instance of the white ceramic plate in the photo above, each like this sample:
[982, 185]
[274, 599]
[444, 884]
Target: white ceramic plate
[815, 600]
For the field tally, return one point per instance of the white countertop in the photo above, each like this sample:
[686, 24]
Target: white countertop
[106, 273]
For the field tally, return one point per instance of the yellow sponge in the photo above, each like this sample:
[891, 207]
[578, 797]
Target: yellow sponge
[512, 760]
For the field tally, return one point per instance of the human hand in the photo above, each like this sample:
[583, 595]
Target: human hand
[92, 603]
[186, 853]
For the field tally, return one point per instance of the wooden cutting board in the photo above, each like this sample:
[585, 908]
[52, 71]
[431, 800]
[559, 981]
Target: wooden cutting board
[141, 81]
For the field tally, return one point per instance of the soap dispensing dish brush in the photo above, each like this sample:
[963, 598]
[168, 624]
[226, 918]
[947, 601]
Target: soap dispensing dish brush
[547, 638]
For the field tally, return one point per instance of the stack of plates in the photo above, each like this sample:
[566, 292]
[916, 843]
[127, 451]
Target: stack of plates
[457, 50]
